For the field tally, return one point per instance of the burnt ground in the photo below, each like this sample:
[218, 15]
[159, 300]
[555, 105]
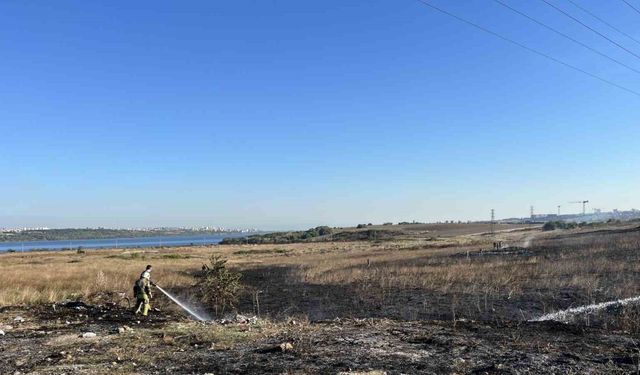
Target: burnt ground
[283, 293]
[49, 342]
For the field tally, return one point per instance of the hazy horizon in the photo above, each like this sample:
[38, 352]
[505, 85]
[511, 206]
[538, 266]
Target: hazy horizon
[289, 115]
[82, 223]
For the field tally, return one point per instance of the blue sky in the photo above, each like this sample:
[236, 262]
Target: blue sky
[288, 114]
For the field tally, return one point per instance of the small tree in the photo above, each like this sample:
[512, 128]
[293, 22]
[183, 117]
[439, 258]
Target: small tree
[220, 287]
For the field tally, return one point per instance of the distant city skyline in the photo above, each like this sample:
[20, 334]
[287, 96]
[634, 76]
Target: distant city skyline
[289, 114]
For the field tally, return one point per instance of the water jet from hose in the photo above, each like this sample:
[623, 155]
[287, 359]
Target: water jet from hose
[184, 307]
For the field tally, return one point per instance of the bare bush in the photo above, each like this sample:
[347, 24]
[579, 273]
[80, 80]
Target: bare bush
[220, 287]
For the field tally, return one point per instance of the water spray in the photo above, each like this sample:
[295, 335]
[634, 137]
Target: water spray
[565, 315]
[174, 299]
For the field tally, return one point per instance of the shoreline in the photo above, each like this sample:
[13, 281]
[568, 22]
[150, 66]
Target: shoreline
[116, 243]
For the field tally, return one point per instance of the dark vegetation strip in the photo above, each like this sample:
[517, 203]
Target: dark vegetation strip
[316, 234]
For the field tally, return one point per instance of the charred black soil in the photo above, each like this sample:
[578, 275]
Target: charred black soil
[51, 341]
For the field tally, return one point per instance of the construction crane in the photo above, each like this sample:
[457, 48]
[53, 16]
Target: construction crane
[584, 205]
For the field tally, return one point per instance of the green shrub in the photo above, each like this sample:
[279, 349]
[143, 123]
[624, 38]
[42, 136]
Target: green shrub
[551, 225]
[220, 287]
[280, 237]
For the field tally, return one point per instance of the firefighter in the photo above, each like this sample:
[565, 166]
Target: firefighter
[142, 292]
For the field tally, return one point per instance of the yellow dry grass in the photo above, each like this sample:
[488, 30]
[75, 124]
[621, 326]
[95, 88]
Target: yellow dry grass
[48, 277]
[45, 277]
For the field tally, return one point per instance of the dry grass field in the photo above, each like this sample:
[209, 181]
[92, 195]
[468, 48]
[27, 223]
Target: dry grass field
[44, 277]
[434, 278]
[458, 280]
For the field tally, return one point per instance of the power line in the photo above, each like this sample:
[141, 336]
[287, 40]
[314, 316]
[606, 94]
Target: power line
[567, 36]
[603, 21]
[482, 28]
[631, 6]
[590, 28]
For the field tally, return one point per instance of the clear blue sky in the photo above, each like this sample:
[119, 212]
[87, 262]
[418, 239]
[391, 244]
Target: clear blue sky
[288, 114]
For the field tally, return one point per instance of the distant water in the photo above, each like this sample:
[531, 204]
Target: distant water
[209, 239]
